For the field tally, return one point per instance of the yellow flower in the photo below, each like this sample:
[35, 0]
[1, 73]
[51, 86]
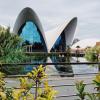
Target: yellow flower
[3, 95]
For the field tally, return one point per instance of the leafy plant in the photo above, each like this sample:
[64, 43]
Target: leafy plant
[23, 92]
[97, 82]
[10, 49]
[48, 92]
[80, 88]
[92, 54]
[91, 96]
[2, 87]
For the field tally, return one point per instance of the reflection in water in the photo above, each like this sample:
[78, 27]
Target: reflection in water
[63, 69]
[12, 70]
[50, 69]
[23, 69]
[58, 69]
[83, 69]
[35, 59]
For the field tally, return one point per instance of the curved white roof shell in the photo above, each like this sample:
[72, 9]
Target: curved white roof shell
[67, 27]
[50, 37]
[27, 14]
[85, 43]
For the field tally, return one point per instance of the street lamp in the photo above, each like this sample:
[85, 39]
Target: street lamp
[77, 52]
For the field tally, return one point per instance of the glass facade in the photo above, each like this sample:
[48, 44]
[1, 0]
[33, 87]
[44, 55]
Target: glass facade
[60, 44]
[30, 33]
[31, 36]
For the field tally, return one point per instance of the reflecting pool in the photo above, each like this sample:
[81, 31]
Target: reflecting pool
[62, 70]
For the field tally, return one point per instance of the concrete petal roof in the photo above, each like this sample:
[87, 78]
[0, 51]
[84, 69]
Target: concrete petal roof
[52, 35]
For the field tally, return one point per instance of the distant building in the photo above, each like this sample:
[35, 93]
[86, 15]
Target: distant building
[84, 44]
[28, 26]
[75, 41]
[97, 43]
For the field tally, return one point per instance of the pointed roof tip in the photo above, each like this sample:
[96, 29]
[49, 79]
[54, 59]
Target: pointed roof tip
[75, 18]
[27, 9]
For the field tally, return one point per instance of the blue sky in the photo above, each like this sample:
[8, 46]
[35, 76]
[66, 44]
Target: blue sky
[55, 12]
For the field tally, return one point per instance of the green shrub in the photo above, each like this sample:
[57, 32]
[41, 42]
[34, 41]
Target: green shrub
[34, 79]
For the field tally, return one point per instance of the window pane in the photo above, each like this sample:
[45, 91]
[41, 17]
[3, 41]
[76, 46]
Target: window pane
[30, 33]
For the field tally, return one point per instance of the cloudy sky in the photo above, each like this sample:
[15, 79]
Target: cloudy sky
[55, 12]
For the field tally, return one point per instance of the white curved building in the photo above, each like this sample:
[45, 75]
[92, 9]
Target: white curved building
[29, 27]
[90, 42]
[67, 29]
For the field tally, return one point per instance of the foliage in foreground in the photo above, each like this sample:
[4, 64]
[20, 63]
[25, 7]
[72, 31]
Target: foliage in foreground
[24, 92]
[10, 50]
[80, 86]
[92, 54]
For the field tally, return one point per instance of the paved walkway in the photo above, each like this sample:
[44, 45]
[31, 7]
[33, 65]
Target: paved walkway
[57, 83]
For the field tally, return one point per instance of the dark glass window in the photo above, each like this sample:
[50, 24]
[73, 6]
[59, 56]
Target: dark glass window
[30, 34]
[60, 44]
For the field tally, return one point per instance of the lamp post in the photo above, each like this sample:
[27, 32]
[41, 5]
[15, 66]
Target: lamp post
[77, 53]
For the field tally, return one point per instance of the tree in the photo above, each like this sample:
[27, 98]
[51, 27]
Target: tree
[10, 49]
[92, 54]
